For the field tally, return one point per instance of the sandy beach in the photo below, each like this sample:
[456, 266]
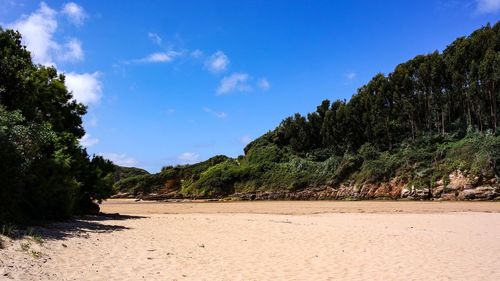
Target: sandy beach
[278, 240]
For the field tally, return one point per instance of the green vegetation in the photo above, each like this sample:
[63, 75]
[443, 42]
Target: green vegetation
[169, 179]
[44, 173]
[8, 230]
[431, 116]
[36, 254]
[33, 235]
[25, 247]
[127, 172]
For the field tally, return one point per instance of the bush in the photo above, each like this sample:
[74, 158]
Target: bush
[267, 154]
[216, 181]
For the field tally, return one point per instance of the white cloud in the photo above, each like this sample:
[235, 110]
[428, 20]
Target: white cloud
[218, 62]
[488, 6]
[87, 141]
[246, 139]
[263, 84]
[73, 51]
[86, 87]
[155, 38]
[74, 13]
[38, 30]
[351, 76]
[215, 113]
[120, 159]
[159, 57]
[188, 158]
[197, 53]
[234, 82]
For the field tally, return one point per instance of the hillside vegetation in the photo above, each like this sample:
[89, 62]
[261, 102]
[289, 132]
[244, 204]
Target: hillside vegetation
[127, 172]
[429, 129]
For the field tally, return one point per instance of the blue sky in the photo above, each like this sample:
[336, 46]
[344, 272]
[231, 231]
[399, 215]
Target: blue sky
[173, 82]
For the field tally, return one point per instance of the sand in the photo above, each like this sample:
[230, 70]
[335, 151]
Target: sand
[313, 240]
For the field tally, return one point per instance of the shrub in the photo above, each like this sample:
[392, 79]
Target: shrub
[216, 181]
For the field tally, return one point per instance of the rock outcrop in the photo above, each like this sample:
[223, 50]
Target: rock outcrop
[459, 186]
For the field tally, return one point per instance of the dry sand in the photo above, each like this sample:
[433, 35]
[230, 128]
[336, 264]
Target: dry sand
[318, 240]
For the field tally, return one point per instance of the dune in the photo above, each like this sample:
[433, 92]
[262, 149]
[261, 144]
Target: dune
[318, 240]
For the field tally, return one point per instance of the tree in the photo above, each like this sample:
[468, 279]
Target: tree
[45, 173]
[429, 95]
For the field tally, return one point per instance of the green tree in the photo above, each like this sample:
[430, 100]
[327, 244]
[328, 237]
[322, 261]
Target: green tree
[45, 173]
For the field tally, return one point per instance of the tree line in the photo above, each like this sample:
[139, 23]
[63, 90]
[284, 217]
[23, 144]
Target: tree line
[451, 92]
[434, 115]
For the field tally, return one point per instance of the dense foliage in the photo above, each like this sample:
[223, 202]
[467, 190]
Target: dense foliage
[44, 172]
[433, 94]
[127, 172]
[169, 179]
[432, 115]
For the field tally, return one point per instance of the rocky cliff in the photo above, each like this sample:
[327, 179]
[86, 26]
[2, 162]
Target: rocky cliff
[460, 186]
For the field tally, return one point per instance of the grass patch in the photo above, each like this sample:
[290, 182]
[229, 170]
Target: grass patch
[35, 236]
[36, 254]
[9, 230]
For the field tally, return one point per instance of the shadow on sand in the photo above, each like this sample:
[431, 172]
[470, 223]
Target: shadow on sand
[114, 217]
[83, 226]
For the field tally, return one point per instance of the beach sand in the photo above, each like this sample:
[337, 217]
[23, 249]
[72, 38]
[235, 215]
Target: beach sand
[266, 240]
